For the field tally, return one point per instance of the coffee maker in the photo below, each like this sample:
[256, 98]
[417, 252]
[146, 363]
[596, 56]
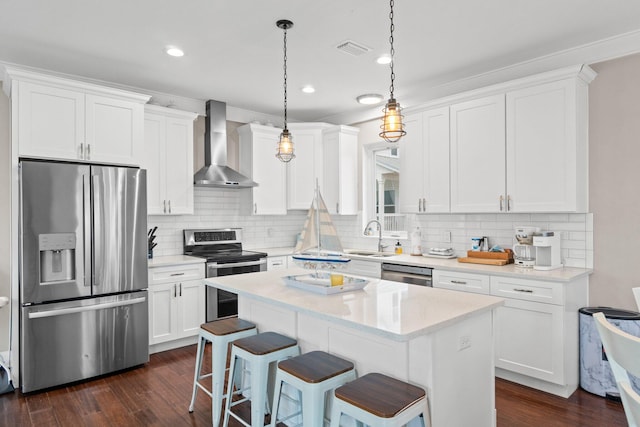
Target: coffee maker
[547, 246]
[524, 253]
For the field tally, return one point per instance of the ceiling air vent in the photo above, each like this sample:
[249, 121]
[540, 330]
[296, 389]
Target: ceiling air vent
[352, 48]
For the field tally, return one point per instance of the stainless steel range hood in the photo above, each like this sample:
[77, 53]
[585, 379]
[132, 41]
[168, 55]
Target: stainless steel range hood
[215, 172]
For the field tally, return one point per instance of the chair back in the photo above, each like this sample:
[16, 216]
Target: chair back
[636, 294]
[623, 352]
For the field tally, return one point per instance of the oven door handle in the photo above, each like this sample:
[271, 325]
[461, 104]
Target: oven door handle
[238, 264]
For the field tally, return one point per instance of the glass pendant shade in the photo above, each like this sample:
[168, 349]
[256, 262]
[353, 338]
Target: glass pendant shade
[285, 147]
[392, 126]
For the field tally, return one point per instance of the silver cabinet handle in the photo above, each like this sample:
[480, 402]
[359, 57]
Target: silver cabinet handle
[81, 149]
[175, 290]
[508, 203]
[164, 206]
[424, 204]
[177, 274]
[180, 289]
[337, 207]
[169, 206]
[501, 200]
[88, 152]
[458, 282]
[255, 208]
[527, 291]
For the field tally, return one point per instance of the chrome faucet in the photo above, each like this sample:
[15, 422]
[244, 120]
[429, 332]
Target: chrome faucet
[367, 232]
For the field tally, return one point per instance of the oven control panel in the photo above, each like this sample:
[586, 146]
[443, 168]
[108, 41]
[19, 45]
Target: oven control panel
[212, 236]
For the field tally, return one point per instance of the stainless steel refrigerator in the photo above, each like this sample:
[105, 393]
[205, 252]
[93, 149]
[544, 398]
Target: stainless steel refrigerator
[83, 271]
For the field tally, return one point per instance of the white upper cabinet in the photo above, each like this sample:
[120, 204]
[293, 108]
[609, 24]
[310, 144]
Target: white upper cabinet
[546, 155]
[478, 155]
[64, 119]
[168, 135]
[340, 169]
[258, 161]
[306, 169]
[424, 162]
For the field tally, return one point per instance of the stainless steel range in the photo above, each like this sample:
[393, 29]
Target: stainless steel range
[223, 251]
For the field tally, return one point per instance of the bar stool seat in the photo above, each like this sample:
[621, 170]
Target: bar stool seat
[220, 333]
[313, 374]
[259, 351]
[380, 401]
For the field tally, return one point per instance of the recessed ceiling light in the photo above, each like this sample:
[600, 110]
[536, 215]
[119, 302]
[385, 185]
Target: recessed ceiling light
[384, 59]
[174, 51]
[370, 99]
[308, 89]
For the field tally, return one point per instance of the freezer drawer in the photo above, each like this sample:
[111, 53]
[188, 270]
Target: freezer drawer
[75, 340]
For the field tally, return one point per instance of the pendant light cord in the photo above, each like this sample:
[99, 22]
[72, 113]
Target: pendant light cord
[392, 52]
[285, 77]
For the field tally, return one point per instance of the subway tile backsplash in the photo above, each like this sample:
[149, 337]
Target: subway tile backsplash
[218, 207]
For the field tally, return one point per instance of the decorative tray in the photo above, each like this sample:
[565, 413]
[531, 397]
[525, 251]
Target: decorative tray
[320, 283]
[428, 255]
[325, 262]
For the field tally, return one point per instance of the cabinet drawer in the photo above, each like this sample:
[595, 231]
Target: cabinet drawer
[363, 268]
[466, 282]
[528, 290]
[174, 273]
[276, 262]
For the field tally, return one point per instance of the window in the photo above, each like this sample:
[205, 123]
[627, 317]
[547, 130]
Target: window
[381, 187]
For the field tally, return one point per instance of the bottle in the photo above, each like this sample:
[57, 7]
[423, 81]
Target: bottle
[398, 248]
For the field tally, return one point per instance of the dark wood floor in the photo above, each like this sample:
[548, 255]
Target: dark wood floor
[158, 394]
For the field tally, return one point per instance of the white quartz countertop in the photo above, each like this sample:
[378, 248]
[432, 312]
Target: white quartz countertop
[274, 251]
[563, 274]
[163, 261]
[389, 309]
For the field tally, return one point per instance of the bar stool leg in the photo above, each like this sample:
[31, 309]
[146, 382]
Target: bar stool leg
[227, 403]
[218, 365]
[199, 356]
[312, 408]
[258, 398]
[277, 389]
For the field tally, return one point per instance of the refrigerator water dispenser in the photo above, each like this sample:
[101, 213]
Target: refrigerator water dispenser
[57, 257]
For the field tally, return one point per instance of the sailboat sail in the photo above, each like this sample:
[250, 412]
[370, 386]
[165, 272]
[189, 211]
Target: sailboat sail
[318, 234]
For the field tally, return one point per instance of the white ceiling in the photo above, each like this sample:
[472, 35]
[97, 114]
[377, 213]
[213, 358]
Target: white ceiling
[234, 49]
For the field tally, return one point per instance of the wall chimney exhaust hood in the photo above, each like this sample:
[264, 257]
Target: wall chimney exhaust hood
[215, 172]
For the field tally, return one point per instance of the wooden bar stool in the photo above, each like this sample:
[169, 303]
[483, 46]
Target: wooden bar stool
[380, 401]
[260, 351]
[220, 333]
[313, 374]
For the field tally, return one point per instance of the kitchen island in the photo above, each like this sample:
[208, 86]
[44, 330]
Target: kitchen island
[438, 339]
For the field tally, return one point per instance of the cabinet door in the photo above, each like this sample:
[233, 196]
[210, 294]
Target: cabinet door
[478, 155]
[50, 121]
[154, 161]
[178, 166]
[191, 303]
[529, 339]
[258, 161]
[163, 319]
[340, 171]
[304, 170]
[411, 165]
[276, 262]
[114, 130]
[542, 148]
[435, 160]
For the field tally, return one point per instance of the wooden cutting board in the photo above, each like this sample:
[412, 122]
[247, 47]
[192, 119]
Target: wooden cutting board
[487, 261]
[507, 254]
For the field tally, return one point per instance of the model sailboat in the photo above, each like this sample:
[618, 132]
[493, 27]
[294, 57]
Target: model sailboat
[319, 245]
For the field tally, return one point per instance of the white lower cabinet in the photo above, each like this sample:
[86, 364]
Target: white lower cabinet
[176, 302]
[535, 331]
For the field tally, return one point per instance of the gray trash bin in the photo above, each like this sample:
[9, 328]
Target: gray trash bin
[595, 373]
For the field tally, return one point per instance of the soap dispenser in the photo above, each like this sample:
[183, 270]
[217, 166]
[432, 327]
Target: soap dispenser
[398, 247]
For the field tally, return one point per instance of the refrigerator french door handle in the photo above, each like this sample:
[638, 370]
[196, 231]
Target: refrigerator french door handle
[86, 228]
[82, 309]
[98, 221]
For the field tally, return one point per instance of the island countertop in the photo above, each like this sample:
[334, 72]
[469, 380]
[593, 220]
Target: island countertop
[388, 309]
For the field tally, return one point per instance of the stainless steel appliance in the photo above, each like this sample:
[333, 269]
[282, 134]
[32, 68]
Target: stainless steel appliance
[223, 251]
[410, 274]
[83, 271]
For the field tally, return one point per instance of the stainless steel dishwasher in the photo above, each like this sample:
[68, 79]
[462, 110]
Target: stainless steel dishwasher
[407, 274]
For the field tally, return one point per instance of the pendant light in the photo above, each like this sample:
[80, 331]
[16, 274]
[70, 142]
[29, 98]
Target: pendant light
[392, 126]
[285, 144]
